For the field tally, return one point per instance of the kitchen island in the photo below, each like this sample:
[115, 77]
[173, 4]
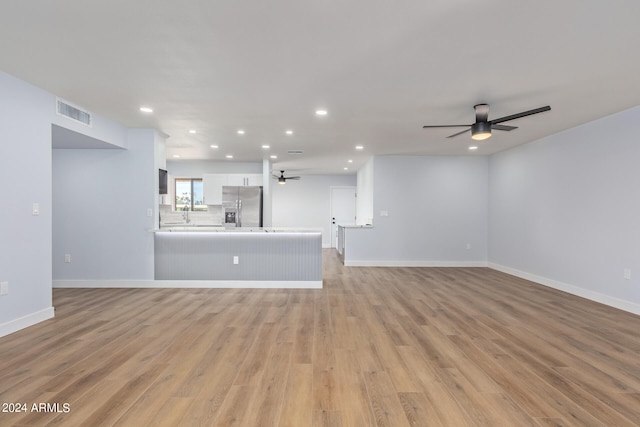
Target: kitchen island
[239, 257]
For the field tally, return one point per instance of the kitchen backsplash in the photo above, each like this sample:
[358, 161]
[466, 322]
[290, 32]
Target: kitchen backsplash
[213, 216]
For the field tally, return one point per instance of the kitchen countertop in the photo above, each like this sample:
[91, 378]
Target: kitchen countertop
[221, 229]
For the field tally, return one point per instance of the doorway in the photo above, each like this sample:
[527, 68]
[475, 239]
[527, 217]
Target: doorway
[343, 210]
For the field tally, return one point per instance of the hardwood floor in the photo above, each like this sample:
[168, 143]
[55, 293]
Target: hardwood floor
[376, 346]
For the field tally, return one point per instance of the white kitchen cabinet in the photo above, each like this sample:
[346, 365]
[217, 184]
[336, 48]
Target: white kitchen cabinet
[254, 179]
[212, 184]
[243, 180]
[212, 188]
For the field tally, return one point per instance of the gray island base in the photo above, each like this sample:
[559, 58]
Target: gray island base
[253, 258]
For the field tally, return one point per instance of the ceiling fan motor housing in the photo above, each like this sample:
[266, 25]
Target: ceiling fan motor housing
[481, 130]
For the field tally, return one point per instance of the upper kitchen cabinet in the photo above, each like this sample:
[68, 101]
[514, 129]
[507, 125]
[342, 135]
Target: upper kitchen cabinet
[244, 180]
[212, 188]
[212, 184]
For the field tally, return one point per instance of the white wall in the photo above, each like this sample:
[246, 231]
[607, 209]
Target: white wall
[436, 207]
[100, 203]
[25, 173]
[307, 203]
[364, 202]
[564, 210]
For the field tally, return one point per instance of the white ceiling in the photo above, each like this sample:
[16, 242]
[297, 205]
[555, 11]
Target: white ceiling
[382, 69]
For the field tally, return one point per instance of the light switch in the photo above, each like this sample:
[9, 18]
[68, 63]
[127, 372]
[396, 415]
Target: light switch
[36, 209]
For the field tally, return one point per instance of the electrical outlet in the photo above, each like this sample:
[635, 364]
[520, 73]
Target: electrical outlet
[149, 212]
[236, 259]
[627, 273]
[67, 258]
[384, 213]
[4, 288]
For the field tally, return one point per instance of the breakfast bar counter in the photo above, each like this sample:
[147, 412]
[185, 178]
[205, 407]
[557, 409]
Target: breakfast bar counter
[238, 257]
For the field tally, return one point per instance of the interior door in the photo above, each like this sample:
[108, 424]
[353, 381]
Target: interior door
[343, 210]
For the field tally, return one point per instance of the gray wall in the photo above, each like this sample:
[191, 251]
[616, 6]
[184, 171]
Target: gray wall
[435, 205]
[101, 129]
[565, 209]
[26, 117]
[25, 173]
[100, 203]
[307, 203]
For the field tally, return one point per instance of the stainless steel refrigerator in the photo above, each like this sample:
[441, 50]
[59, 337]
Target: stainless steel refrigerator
[242, 206]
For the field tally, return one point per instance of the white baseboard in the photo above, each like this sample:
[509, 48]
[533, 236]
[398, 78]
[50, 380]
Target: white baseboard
[413, 263]
[233, 284]
[26, 321]
[571, 289]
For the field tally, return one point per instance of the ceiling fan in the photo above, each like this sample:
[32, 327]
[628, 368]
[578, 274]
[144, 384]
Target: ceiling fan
[283, 179]
[481, 129]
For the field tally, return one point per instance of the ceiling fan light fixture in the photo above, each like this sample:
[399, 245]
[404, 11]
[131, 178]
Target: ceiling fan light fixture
[282, 181]
[480, 131]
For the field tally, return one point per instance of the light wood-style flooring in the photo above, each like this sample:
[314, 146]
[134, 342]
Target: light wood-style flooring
[375, 347]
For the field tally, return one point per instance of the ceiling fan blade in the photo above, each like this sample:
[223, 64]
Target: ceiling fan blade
[523, 114]
[444, 126]
[482, 112]
[503, 127]
[459, 133]
[291, 177]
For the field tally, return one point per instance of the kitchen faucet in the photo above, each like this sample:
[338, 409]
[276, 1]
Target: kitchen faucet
[185, 216]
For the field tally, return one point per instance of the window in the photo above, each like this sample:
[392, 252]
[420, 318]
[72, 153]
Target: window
[189, 195]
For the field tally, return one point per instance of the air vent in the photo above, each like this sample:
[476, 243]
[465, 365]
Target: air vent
[73, 113]
[295, 152]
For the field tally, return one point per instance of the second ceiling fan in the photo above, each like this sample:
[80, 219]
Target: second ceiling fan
[283, 179]
[481, 129]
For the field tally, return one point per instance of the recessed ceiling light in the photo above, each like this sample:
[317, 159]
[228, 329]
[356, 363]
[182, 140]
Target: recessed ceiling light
[146, 109]
[473, 147]
[349, 161]
[321, 112]
[192, 131]
[266, 147]
[240, 132]
[229, 156]
[289, 132]
[359, 147]
[273, 156]
[213, 146]
[176, 156]
[346, 169]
